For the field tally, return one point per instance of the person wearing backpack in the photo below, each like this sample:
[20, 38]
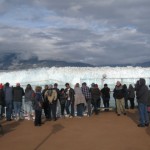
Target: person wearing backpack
[51, 95]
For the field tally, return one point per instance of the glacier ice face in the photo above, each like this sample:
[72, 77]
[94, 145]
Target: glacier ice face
[72, 75]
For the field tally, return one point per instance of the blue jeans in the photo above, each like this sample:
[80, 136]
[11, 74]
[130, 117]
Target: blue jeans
[80, 109]
[8, 111]
[17, 108]
[67, 107]
[143, 114]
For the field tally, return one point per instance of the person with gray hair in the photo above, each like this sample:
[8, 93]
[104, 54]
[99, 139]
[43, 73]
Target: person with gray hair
[119, 96]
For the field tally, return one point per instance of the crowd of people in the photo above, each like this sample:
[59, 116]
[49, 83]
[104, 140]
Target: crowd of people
[80, 99]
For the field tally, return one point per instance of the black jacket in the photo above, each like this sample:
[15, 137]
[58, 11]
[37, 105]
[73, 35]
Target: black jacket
[142, 93]
[18, 92]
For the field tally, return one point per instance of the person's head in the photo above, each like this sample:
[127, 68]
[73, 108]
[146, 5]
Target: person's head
[17, 84]
[84, 84]
[38, 89]
[55, 85]
[96, 86]
[46, 86]
[77, 85]
[67, 85]
[105, 85]
[29, 86]
[118, 83]
[62, 90]
[93, 85]
[1, 86]
[50, 86]
[7, 84]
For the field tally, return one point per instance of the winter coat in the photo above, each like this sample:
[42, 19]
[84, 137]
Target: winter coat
[8, 91]
[18, 93]
[38, 101]
[105, 92]
[29, 95]
[131, 92]
[2, 100]
[96, 93]
[79, 97]
[118, 92]
[70, 94]
[142, 93]
[51, 95]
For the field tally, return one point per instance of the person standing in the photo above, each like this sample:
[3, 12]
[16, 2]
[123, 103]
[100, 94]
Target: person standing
[8, 93]
[58, 112]
[70, 100]
[87, 94]
[142, 99]
[29, 97]
[131, 96]
[1, 100]
[79, 100]
[38, 101]
[51, 95]
[62, 99]
[119, 96]
[125, 96]
[45, 103]
[95, 92]
[18, 93]
[106, 96]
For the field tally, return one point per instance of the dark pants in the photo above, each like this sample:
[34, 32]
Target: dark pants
[132, 105]
[46, 107]
[80, 109]
[94, 102]
[106, 102]
[126, 102]
[8, 111]
[38, 114]
[68, 103]
[62, 109]
[52, 110]
[98, 103]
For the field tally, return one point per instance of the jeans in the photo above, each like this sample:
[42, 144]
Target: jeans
[68, 103]
[17, 108]
[28, 107]
[80, 109]
[88, 101]
[52, 109]
[106, 102]
[8, 111]
[143, 114]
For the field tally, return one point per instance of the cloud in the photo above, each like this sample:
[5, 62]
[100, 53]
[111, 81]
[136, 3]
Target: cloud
[96, 32]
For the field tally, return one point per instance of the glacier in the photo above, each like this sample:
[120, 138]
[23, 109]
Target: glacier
[73, 75]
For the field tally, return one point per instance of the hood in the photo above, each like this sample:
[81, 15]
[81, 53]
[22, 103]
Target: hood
[142, 81]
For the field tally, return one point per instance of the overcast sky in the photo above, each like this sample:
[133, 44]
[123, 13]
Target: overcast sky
[90, 31]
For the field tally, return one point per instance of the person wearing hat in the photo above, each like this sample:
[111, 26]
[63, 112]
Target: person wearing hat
[18, 93]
